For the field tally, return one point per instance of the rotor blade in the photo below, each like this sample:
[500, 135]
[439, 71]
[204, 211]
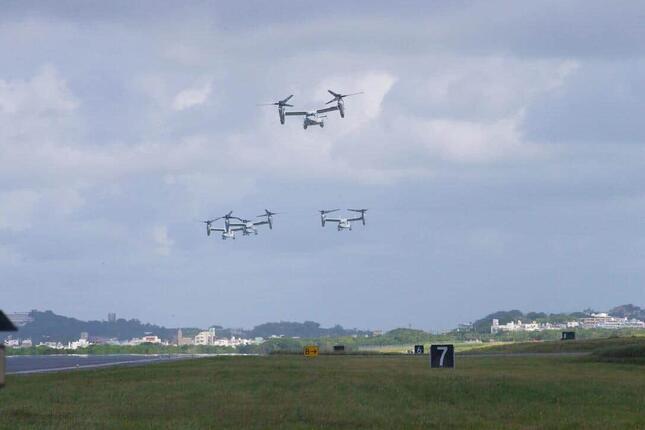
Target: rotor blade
[357, 210]
[267, 104]
[352, 94]
[287, 104]
[287, 99]
[333, 93]
[330, 101]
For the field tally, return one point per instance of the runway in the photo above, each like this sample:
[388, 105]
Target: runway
[25, 364]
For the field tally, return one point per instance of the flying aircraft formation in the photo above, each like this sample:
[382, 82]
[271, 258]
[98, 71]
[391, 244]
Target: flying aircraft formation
[233, 224]
[313, 117]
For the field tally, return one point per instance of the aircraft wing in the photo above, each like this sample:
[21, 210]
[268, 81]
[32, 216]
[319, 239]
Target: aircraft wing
[218, 229]
[260, 222]
[328, 109]
[355, 219]
[332, 220]
[295, 113]
[236, 224]
[236, 228]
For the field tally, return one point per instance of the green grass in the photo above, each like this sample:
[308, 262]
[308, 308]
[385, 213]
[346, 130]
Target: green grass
[633, 353]
[348, 392]
[556, 346]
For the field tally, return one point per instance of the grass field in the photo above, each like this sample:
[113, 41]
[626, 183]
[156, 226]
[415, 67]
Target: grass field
[350, 392]
[587, 345]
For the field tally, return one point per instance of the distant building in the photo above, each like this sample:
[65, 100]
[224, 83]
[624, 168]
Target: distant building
[12, 343]
[52, 345]
[20, 319]
[150, 339]
[181, 340]
[603, 320]
[496, 327]
[85, 335]
[205, 337]
[81, 343]
[111, 317]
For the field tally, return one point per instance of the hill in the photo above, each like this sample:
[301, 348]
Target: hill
[308, 329]
[483, 325]
[628, 311]
[48, 326]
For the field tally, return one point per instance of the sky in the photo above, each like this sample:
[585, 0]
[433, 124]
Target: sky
[497, 145]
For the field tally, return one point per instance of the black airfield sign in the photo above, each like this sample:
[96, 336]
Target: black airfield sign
[5, 325]
[442, 356]
[568, 335]
[339, 348]
[419, 349]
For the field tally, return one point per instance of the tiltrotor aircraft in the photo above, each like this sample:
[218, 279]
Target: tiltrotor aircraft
[228, 232]
[312, 117]
[249, 226]
[343, 223]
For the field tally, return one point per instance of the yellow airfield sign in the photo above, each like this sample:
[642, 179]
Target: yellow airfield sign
[311, 351]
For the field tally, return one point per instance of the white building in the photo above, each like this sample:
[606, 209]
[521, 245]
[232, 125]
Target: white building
[513, 326]
[145, 339]
[81, 343]
[12, 343]
[205, 337]
[52, 345]
[603, 320]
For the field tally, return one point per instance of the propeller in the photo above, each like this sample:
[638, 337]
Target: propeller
[208, 223]
[227, 216]
[323, 213]
[361, 211]
[338, 97]
[267, 213]
[279, 103]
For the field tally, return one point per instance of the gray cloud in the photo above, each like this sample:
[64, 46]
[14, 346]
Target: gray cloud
[487, 146]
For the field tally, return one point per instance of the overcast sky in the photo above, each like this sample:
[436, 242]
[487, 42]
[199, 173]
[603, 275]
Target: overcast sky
[498, 147]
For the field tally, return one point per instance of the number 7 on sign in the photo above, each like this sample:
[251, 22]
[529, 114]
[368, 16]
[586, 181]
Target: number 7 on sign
[442, 356]
[443, 350]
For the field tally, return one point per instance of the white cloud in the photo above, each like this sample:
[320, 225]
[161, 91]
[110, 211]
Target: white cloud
[162, 242]
[17, 209]
[46, 93]
[191, 97]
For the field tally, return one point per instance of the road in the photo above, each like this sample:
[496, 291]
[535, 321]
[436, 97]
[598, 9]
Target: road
[21, 364]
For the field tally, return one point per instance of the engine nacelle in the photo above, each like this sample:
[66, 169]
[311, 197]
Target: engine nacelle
[341, 108]
[281, 113]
